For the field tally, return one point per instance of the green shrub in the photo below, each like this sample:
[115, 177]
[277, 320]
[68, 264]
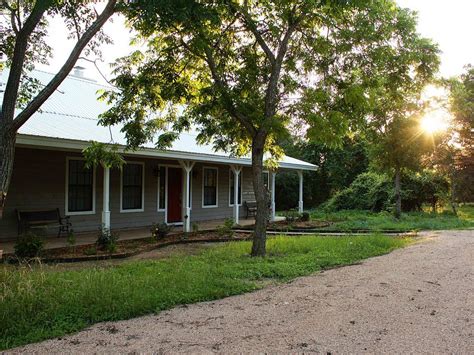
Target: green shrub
[160, 230]
[195, 227]
[107, 240]
[28, 245]
[305, 217]
[291, 216]
[226, 229]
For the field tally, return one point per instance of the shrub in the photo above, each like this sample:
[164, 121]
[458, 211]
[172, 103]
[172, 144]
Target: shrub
[305, 217]
[195, 227]
[28, 245]
[160, 230]
[107, 240]
[291, 216]
[226, 229]
[71, 239]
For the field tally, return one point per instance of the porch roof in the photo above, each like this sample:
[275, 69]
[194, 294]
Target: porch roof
[69, 120]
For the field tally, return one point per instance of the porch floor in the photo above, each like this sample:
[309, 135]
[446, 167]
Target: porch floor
[52, 242]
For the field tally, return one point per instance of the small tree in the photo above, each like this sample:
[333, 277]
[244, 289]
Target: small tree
[23, 43]
[245, 73]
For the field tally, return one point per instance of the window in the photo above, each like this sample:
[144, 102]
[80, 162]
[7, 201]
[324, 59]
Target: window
[209, 190]
[80, 188]
[231, 188]
[132, 187]
[162, 188]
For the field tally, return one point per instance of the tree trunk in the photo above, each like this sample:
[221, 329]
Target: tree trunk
[261, 196]
[398, 195]
[453, 191]
[7, 155]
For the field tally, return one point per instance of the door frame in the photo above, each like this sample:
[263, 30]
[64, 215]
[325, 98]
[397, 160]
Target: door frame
[165, 210]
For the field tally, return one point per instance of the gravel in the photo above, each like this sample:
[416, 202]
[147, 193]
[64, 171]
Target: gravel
[419, 299]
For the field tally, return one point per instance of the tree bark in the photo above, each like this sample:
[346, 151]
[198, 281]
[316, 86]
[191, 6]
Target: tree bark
[398, 196]
[261, 196]
[453, 191]
[7, 155]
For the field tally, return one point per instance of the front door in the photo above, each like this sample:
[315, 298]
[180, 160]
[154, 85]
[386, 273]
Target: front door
[175, 195]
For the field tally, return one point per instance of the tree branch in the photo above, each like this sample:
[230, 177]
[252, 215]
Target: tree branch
[44, 94]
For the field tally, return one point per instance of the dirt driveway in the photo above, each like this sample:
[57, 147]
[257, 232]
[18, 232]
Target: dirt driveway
[417, 300]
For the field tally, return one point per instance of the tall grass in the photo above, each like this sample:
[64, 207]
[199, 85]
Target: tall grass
[355, 219]
[43, 302]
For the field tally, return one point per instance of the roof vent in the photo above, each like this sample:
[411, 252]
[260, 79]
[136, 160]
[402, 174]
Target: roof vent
[78, 71]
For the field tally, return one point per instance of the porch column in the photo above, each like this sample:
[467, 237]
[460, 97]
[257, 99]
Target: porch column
[236, 170]
[273, 174]
[187, 167]
[300, 201]
[106, 199]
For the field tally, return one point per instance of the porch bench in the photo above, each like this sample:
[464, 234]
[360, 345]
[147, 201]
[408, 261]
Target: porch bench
[251, 207]
[35, 219]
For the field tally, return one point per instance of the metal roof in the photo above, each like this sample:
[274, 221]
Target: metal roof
[70, 117]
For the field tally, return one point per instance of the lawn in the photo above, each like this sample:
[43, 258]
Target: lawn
[355, 220]
[44, 302]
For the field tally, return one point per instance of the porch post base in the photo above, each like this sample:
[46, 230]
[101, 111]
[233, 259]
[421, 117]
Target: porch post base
[300, 206]
[106, 219]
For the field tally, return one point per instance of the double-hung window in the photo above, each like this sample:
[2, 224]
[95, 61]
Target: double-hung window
[232, 188]
[80, 188]
[132, 187]
[209, 190]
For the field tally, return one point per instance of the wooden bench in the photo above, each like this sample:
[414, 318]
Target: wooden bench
[35, 219]
[251, 207]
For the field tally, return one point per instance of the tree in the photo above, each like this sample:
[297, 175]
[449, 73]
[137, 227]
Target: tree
[245, 72]
[462, 109]
[23, 43]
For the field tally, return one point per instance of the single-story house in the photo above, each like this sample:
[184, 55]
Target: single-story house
[187, 183]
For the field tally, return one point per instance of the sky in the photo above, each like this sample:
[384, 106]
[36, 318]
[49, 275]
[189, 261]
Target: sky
[448, 23]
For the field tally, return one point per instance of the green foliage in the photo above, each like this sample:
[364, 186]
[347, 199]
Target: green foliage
[107, 240]
[104, 155]
[291, 216]
[337, 168]
[226, 229]
[356, 220]
[44, 302]
[160, 230]
[28, 245]
[195, 227]
[305, 217]
[374, 192]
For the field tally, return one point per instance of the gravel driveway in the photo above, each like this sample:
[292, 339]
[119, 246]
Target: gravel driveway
[417, 300]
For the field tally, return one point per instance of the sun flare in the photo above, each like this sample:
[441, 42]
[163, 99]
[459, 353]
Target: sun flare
[434, 122]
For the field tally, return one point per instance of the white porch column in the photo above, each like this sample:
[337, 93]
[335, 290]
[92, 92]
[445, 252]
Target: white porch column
[272, 174]
[300, 201]
[236, 170]
[106, 199]
[187, 167]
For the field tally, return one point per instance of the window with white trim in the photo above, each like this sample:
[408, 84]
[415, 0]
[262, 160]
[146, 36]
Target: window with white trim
[132, 187]
[80, 187]
[209, 190]
[231, 188]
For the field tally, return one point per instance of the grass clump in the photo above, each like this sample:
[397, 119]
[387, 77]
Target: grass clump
[44, 302]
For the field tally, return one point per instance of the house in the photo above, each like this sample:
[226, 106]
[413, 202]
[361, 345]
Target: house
[186, 183]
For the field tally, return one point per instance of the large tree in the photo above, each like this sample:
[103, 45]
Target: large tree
[244, 73]
[22, 46]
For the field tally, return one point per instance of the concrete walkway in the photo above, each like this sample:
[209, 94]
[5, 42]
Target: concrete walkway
[415, 300]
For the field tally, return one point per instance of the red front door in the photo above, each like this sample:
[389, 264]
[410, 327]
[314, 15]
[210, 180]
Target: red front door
[175, 194]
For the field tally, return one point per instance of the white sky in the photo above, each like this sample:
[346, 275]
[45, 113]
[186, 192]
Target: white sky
[449, 24]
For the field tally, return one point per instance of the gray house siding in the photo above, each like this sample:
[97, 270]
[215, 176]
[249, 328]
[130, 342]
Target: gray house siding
[39, 182]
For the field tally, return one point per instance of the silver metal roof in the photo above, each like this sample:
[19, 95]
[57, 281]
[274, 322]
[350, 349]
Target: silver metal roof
[70, 118]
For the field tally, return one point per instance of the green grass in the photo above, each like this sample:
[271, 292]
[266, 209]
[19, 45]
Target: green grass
[44, 302]
[352, 220]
